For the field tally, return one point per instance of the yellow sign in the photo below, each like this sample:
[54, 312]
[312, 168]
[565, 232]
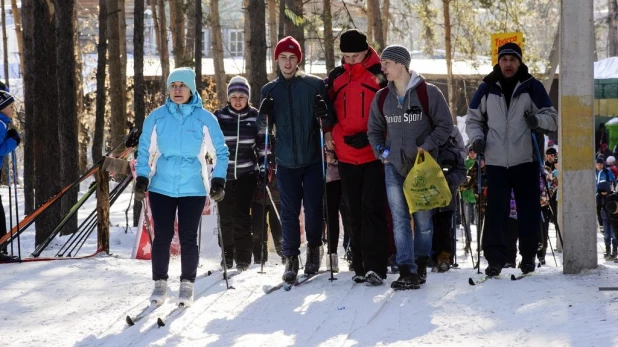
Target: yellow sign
[499, 39]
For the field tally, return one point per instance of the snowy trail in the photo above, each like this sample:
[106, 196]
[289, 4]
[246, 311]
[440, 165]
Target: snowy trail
[85, 302]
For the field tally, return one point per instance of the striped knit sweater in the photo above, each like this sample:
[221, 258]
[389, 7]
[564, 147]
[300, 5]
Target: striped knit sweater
[246, 145]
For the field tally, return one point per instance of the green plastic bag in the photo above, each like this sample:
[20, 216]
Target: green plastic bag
[425, 187]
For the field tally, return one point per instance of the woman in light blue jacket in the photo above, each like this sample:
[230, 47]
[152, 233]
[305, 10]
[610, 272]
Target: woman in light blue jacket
[171, 165]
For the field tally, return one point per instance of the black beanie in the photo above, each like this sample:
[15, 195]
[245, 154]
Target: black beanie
[353, 41]
[510, 48]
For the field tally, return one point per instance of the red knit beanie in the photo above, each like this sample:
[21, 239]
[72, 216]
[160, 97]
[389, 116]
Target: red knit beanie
[290, 45]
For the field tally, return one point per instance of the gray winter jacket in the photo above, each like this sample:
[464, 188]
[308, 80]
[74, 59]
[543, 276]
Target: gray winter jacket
[507, 136]
[404, 127]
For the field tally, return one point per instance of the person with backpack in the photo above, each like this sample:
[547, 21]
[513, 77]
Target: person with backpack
[239, 122]
[408, 117]
[507, 108]
[294, 103]
[452, 163]
[351, 89]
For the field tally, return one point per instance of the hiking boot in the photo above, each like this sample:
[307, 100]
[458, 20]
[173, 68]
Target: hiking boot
[312, 266]
[493, 269]
[185, 294]
[542, 260]
[291, 269]
[373, 278]
[421, 263]
[242, 267]
[159, 292]
[229, 263]
[444, 261]
[510, 264]
[359, 279]
[334, 261]
[527, 267]
[406, 280]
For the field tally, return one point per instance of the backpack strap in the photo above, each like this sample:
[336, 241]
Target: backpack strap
[382, 98]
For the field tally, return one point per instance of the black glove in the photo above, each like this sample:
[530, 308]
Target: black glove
[12, 133]
[216, 189]
[531, 120]
[141, 187]
[133, 139]
[478, 146]
[320, 111]
[358, 140]
[267, 105]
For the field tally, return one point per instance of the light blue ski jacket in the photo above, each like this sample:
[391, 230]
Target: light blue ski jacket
[172, 151]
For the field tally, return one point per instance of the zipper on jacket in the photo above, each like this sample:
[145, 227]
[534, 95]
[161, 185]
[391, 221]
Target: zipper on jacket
[237, 143]
[292, 123]
[345, 106]
[362, 104]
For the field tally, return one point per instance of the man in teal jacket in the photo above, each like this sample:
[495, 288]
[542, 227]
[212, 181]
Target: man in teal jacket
[294, 104]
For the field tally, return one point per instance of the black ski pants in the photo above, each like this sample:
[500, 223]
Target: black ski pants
[262, 221]
[164, 210]
[235, 214]
[442, 233]
[364, 189]
[523, 179]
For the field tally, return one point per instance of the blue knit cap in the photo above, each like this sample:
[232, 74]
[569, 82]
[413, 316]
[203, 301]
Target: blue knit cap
[184, 75]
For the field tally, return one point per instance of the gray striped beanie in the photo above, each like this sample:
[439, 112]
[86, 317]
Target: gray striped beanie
[239, 84]
[398, 54]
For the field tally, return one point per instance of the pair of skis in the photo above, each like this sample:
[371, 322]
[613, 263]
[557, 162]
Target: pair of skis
[287, 286]
[486, 277]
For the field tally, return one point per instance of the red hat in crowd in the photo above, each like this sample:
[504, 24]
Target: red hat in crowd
[290, 45]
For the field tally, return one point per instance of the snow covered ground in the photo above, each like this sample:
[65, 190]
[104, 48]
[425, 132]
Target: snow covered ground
[84, 303]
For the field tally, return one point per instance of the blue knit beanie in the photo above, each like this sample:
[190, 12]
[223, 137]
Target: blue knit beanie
[184, 75]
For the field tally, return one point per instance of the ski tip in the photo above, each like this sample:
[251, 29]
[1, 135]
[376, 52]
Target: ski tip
[471, 281]
[287, 287]
[209, 273]
[231, 287]
[130, 321]
[160, 322]
[513, 278]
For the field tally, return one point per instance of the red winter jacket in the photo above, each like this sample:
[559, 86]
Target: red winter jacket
[351, 89]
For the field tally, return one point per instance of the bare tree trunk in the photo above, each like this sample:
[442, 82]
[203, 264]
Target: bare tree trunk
[217, 51]
[554, 61]
[374, 11]
[257, 31]
[122, 38]
[99, 123]
[29, 93]
[103, 210]
[296, 31]
[272, 35]
[612, 32]
[449, 59]
[118, 119]
[386, 17]
[198, 46]
[370, 20]
[247, 36]
[19, 34]
[281, 20]
[40, 59]
[190, 37]
[177, 19]
[5, 45]
[67, 109]
[164, 53]
[138, 82]
[83, 135]
[329, 40]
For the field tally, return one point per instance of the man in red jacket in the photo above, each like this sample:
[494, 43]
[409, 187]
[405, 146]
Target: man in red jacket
[351, 88]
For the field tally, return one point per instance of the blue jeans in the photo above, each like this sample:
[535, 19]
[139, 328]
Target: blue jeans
[304, 185]
[609, 237]
[408, 247]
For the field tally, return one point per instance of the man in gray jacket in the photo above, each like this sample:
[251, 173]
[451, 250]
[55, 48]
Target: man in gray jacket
[506, 108]
[399, 128]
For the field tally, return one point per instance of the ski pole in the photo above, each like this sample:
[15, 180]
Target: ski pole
[11, 213]
[325, 197]
[454, 240]
[227, 284]
[264, 182]
[552, 205]
[479, 223]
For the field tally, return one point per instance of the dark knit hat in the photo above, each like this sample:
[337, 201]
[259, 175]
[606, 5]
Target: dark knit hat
[6, 99]
[510, 48]
[600, 160]
[353, 41]
[398, 54]
[290, 45]
[604, 186]
[239, 84]
[551, 151]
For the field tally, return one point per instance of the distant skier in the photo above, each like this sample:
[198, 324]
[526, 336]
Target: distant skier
[171, 165]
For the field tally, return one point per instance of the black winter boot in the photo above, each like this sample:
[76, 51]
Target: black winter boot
[421, 263]
[493, 269]
[291, 269]
[527, 265]
[313, 260]
[406, 279]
